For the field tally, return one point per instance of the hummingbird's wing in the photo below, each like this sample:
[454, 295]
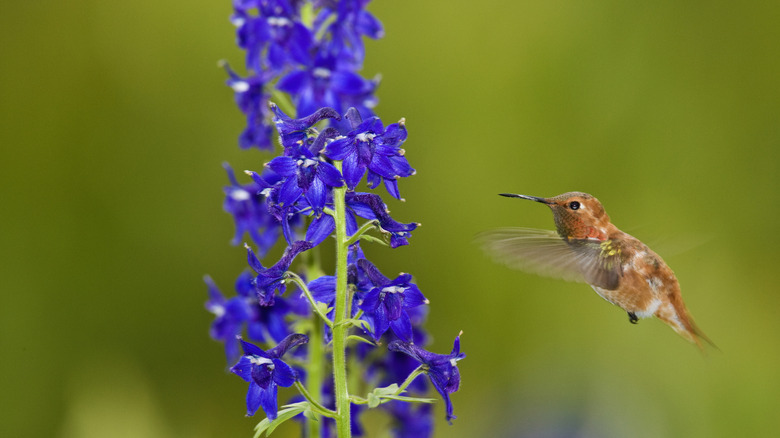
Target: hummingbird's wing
[543, 252]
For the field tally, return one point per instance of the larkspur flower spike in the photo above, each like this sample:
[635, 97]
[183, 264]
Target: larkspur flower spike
[308, 55]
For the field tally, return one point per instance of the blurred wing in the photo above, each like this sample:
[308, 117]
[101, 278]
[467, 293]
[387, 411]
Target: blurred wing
[545, 253]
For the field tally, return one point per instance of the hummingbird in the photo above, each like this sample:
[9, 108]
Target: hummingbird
[587, 247]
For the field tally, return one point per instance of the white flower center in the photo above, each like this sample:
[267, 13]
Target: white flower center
[217, 310]
[321, 72]
[365, 136]
[279, 21]
[394, 289]
[306, 162]
[240, 195]
[259, 360]
[240, 86]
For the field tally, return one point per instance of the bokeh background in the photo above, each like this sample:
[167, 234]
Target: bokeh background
[115, 121]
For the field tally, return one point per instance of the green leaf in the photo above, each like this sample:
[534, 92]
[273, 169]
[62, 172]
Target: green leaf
[360, 339]
[308, 413]
[409, 399]
[287, 412]
[387, 390]
[373, 400]
[370, 238]
[354, 322]
[390, 392]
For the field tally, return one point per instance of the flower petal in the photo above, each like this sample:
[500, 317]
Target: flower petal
[402, 327]
[339, 149]
[283, 374]
[289, 192]
[316, 195]
[243, 368]
[284, 166]
[371, 301]
[287, 343]
[293, 82]
[319, 229]
[268, 401]
[373, 273]
[323, 289]
[253, 397]
[329, 174]
[413, 297]
[252, 349]
[353, 172]
[254, 263]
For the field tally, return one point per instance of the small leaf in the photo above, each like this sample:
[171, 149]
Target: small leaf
[387, 390]
[308, 413]
[370, 238]
[409, 399]
[360, 339]
[354, 322]
[283, 415]
[373, 400]
[323, 308]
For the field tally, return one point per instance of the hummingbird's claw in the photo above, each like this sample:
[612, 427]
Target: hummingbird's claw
[632, 318]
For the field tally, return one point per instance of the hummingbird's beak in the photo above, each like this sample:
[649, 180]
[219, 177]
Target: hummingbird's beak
[530, 198]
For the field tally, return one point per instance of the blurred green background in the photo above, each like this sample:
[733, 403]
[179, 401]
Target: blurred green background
[115, 120]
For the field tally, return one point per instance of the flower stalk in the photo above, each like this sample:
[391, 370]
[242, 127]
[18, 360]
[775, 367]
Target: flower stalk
[340, 389]
[361, 326]
[315, 364]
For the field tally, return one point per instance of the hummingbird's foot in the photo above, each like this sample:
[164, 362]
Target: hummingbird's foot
[632, 318]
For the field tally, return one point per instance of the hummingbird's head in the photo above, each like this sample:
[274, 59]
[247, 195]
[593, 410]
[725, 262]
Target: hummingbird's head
[577, 215]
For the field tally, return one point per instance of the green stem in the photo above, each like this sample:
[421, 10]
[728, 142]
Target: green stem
[419, 370]
[316, 351]
[343, 429]
[368, 226]
[316, 406]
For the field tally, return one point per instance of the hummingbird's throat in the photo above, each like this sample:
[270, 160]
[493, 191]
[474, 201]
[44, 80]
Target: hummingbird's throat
[582, 231]
[595, 233]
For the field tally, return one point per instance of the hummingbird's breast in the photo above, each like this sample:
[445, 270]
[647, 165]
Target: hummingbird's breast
[646, 282]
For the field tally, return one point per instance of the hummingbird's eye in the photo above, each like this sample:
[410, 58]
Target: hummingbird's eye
[574, 205]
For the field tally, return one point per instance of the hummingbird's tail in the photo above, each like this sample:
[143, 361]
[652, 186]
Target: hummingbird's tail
[677, 317]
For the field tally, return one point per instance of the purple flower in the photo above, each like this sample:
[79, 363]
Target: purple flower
[367, 206]
[311, 175]
[370, 206]
[324, 83]
[347, 30]
[252, 100]
[271, 279]
[385, 305]
[264, 370]
[250, 212]
[305, 172]
[271, 33]
[281, 199]
[297, 132]
[230, 317]
[442, 369]
[266, 321]
[369, 147]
